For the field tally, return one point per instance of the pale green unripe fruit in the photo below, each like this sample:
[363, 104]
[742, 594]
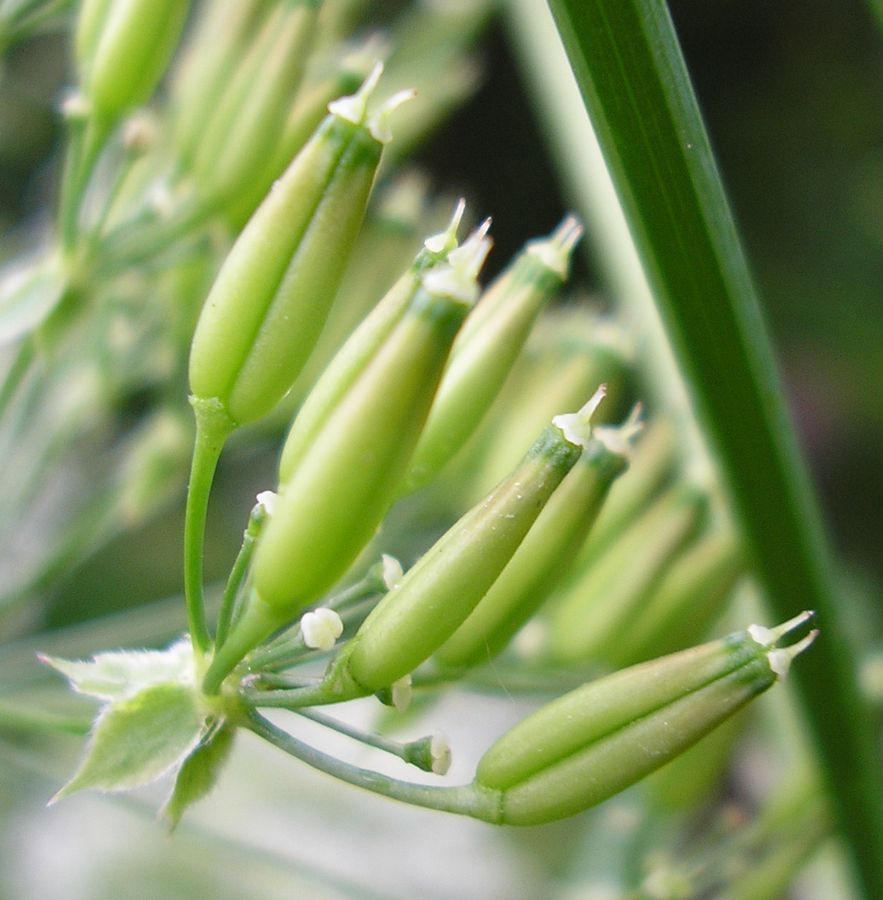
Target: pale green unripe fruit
[597, 603]
[123, 48]
[352, 358]
[242, 132]
[443, 587]
[488, 346]
[271, 297]
[602, 737]
[539, 562]
[335, 498]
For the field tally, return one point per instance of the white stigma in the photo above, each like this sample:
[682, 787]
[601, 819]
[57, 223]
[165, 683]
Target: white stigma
[457, 278]
[555, 251]
[400, 692]
[619, 438]
[576, 427]
[355, 107]
[446, 241]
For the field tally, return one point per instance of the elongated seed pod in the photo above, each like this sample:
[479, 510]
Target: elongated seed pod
[541, 560]
[215, 45]
[264, 313]
[604, 736]
[123, 48]
[297, 125]
[344, 483]
[488, 346]
[243, 131]
[597, 604]
[350, 361]
[420, 613]
[691, 593]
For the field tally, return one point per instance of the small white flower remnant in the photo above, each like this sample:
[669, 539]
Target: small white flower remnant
[321, 628]
[392, 571]
[268, 499]
[400, 692]
[780, 658]
[440, 753]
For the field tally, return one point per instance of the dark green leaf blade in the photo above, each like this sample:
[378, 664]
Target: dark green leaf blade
[627, 62]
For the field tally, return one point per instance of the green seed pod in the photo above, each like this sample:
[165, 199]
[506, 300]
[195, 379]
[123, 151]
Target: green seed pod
[602, 737]
[689, 596]
[90, 25]
[218, 40]
[597, 605]
[123, 48]
[243, 131]
[543, 556]
[264, 313]
[389, 238]
[569, 353]
[434, 598]
[344, 483]
[488, 346]
[299, 121]
[653, 466]
[350, 361]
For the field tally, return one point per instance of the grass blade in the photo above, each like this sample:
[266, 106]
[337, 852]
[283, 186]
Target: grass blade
[627, 62]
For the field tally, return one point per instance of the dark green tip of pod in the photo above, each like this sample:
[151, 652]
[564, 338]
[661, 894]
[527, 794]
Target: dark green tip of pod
[445, 312]
[553, 445]
[358, 142]
[528, 268]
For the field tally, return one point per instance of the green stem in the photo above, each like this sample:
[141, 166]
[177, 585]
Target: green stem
[317, 694]
[465, 800]
[395, 748]
[212, 429]
[226, 615]
[626, 59]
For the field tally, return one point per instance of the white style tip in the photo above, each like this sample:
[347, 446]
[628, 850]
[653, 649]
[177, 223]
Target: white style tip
[576, 427]
[446, 241]
[555, 251]
[780, 658]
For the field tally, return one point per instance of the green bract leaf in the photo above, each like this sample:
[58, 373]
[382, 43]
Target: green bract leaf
[124, 673]
[138, 739]
[198, 773]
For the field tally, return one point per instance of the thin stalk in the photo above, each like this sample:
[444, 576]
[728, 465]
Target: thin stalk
[212, 429]
[295, 699]
[226, 615]
[377, 741]
[627, 62]
[465, 800]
